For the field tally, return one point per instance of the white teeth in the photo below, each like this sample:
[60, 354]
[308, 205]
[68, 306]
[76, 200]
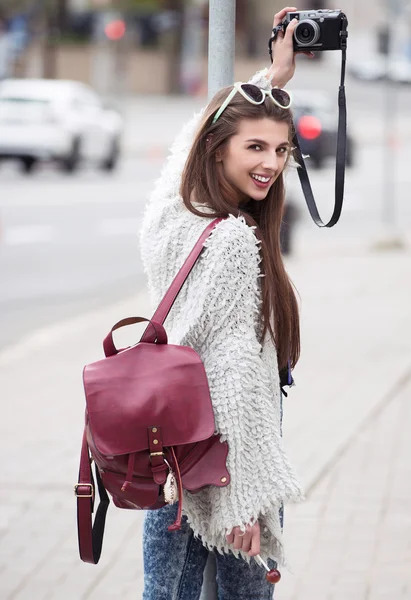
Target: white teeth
[260, 178]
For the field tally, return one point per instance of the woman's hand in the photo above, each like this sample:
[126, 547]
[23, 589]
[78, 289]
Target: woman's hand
[283, 67]
[248, 541]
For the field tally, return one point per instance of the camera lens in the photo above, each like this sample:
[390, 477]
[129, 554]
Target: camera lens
[307, 33]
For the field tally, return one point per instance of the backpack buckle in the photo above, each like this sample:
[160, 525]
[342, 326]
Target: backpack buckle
[89, 485]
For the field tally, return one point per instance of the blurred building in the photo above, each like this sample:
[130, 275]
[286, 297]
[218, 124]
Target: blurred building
[157, 46]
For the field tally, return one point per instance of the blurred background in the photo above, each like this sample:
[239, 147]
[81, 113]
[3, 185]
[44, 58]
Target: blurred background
[92, 93]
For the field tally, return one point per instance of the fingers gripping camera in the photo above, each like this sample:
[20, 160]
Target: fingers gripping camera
[317, 30]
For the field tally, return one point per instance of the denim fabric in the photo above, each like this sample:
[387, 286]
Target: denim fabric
[174, 563]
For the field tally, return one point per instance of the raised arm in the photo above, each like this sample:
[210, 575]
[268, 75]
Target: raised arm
[283, 68]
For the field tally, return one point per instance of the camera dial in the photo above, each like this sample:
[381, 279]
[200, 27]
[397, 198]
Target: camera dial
[307, 33]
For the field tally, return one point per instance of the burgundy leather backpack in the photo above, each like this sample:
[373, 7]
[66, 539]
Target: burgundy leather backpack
[149, 424]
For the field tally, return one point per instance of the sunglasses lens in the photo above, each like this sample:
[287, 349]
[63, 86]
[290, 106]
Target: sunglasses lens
[281, 97]
[253, 92]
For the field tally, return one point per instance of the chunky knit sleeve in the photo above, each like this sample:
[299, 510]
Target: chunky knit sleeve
[245, 402]
[260, 79]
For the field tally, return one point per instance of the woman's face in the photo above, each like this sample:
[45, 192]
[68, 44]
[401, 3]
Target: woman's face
[255, 157]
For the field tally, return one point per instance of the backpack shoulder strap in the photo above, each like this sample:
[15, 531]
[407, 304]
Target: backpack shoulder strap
[90, 537]
[167, 302]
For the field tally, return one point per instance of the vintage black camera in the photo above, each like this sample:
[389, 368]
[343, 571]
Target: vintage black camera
[317, 30]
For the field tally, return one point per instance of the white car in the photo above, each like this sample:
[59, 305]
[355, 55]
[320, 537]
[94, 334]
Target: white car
[66, 121]
[397, 68]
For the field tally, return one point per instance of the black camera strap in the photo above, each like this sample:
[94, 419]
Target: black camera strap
[341, 143]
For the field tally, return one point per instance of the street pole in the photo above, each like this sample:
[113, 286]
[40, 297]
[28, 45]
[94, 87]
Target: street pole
[221, 55]
[221, 45]
[390, 107]
[396, 41]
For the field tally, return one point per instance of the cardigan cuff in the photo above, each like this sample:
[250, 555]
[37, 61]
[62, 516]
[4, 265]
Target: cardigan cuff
[260, 80]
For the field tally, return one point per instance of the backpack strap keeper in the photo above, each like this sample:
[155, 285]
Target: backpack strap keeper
[158, 466]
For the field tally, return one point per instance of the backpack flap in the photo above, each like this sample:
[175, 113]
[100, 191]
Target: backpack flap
[205, 465]
[145, 386]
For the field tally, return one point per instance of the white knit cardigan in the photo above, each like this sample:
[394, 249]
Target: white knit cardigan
[218, 314]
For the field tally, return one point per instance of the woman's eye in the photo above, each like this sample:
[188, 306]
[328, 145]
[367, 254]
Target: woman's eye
[255, 147]
[282, 150]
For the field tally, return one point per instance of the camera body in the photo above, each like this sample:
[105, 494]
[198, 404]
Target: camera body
[317, 30]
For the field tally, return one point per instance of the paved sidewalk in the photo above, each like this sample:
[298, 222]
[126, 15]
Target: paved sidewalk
[352, 538]
[345, 429]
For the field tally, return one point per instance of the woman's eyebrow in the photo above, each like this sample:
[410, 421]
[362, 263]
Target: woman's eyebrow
[257, 141]
[263, 143]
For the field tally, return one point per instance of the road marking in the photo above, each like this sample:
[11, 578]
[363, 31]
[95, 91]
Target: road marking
[56, 200]
[119, 226]
[28, 234]
[20, 235]
[74, 328]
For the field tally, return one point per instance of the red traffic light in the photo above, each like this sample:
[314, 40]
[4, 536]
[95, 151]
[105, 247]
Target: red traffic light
[115, 30]
[309, 127]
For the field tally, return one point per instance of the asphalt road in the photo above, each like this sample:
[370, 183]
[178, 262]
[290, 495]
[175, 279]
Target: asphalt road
[70, 243]
[67, 245]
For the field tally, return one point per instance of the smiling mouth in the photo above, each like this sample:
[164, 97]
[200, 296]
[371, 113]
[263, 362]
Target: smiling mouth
[260, 181]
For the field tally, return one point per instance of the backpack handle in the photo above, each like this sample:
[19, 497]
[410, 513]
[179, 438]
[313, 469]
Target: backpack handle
[157, 331]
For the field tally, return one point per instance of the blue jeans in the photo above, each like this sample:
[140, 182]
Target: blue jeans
[174, 563]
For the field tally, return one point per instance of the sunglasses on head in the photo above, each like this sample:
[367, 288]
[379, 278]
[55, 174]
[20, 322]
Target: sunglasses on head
[255, 95]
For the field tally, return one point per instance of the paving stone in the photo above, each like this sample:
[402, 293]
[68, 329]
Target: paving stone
[355, 555]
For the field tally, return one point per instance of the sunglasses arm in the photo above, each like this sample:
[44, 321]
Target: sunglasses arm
[225, 104]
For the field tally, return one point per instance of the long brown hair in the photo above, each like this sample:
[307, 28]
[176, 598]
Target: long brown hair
[202, 177]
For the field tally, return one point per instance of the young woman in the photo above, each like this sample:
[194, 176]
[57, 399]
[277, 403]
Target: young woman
[239, 312]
